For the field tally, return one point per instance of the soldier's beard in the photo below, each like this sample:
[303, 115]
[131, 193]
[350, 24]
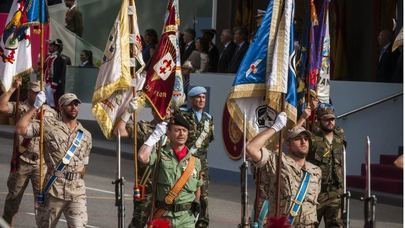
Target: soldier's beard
[298, 154]
[70, 116]
[327, 129]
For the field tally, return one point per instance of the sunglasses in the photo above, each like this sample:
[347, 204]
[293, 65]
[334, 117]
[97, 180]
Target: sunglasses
[328, 119]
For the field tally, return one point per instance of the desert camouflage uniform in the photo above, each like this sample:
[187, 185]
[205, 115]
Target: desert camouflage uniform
[170, 170]
[329, 157]
[67, 196]
[204, 129]
[142, 208]
[25, 165]
[263, 188]
[291, 179]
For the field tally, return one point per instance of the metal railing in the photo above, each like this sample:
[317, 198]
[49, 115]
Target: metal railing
[371, 105]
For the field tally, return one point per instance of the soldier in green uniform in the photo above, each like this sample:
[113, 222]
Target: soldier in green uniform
[327, 153]
[178, 179]
[142, 207]
[25, 162]
[200, 136]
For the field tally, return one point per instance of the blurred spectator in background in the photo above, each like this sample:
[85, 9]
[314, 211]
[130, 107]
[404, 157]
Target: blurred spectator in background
[213, 53]
[227, 52]
[188, 44]
[73, 18]
[387, 59]
[86, 58]
[198, 61]
[65, 57]
[150, 39]
[240, 39]
[55, 73]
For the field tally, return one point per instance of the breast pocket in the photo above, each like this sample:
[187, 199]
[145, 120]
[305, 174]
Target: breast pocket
[191, 185]
[166, 172]
[322, 156]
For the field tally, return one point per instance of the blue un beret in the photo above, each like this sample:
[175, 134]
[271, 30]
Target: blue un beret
[196, 91]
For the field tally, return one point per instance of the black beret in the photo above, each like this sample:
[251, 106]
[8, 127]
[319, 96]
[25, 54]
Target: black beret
[178, 119]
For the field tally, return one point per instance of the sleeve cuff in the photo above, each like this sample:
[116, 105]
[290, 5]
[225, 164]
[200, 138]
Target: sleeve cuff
[264, 158]
[11, 108]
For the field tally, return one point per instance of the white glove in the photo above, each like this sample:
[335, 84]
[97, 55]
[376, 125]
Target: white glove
[159, 131]
[132, 107]
[280, 122]
[40, 99]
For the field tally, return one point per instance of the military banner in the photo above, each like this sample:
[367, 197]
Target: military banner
[15, 43]
[114, 81]
[165, 67]
[265, 73]
[324, 71]
[319, 50]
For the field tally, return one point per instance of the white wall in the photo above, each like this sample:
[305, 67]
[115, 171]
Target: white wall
[383, 123]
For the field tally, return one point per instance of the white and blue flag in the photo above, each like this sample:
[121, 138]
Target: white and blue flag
[266, 74]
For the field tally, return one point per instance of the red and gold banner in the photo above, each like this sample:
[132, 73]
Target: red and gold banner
[160, 78]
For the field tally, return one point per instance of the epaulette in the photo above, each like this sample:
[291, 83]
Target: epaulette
[339, 132]
[183, 109]
[314, 169]
[208, 115]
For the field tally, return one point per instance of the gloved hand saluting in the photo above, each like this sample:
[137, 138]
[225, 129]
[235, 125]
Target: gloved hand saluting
[280, 122]
[40, 99]
[132, 107]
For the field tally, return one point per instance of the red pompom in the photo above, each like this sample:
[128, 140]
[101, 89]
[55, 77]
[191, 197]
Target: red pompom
[159, 223]
[279, 222]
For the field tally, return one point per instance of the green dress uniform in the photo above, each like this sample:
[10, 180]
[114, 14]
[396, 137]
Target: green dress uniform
[25, 165]
[169, 171]
[200, 136]
[329, 157]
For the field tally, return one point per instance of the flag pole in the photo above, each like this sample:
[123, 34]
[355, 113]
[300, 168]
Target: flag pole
[41, 196]
[137, 192]
[278, 171]
[314, 22]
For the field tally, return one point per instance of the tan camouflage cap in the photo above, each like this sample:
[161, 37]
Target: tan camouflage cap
[67, 98]
[295, 132]
[35, 86]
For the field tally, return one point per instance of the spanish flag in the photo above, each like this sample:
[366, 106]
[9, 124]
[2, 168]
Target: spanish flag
[113, 88]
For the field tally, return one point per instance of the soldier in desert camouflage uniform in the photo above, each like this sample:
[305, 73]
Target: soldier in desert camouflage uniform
[200, 136]
[25, 162]
[68, 193]
[293, 169]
